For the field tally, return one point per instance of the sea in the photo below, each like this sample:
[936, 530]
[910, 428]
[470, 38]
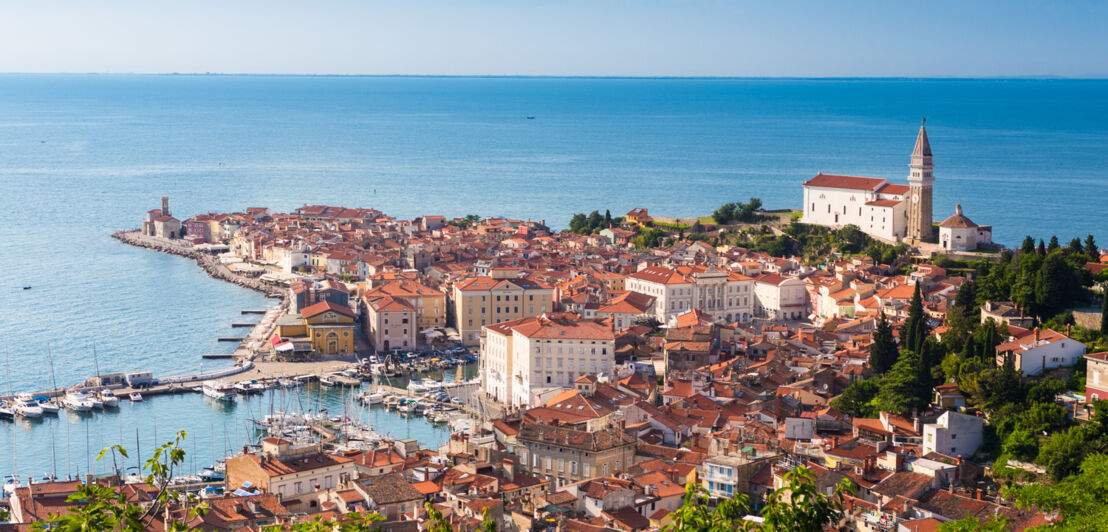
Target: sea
[82, 156]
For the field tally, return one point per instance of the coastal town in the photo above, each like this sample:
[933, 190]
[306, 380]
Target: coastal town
[632, 360]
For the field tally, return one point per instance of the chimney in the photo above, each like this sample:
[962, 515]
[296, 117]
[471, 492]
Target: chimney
[1036, 334]
[978, 492]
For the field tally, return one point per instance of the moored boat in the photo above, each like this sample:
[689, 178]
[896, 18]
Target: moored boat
[25, 406]
[218, 390]
[77, 402]
[135, 397]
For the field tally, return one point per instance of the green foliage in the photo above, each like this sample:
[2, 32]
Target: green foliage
[851, 239]
[465, 222]
[104, 508]
[915, 329]
[882, 351]
[904, 387]
[697, 515]
[649, 238]
[857, 398]
[798, 505]
[1044, 284]
[974, 524]
[738, 212]
[593, 222]
[1104, 312]
[1082, 500]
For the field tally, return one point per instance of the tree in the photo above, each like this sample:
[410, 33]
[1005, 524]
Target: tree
[1062, 453]
[798, 505]
[607, 217]
[1075, 246]
[595, 220]
[105, 508]
[882, 350]
[578, 222]
[696, 515]
[915, 329]
[1081, 500]
[1090, 247]
[856, 398]
[974, 524]
[1053, 245]
[903, 387]
[1028, 245]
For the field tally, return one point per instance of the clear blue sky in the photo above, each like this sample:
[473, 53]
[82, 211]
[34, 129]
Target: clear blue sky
[573, 37]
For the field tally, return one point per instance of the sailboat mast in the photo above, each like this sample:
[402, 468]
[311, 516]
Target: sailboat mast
[15, 433]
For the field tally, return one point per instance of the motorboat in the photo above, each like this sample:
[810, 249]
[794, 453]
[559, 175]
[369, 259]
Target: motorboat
[135, 397]
[108, 398]
[25, 406]
[77, 402]
[372, 398]
[218, 391]
[6, 412]
[49, 406]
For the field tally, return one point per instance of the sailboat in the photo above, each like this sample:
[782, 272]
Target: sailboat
[103, 398]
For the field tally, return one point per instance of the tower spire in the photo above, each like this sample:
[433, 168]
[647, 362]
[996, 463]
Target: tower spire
[923, 146]
[920, 179]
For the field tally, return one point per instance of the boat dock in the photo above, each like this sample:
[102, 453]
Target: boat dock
[217, 355]
[254, 311]
[243, 324]
[230, 339]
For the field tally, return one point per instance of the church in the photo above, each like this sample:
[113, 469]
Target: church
[882, 209]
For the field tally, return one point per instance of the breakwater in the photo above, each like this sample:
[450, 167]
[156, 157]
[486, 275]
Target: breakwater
[208, 262]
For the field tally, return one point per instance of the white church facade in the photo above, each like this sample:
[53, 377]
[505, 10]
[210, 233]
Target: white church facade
[880, 208]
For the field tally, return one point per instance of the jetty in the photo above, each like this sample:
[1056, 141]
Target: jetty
[254, 311]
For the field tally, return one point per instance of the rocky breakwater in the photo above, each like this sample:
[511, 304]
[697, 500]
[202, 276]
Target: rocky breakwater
[208, 262]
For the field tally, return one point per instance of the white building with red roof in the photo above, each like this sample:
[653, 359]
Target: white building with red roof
[727, 296]
[875, 205]
[1040, 350]
[522, 358]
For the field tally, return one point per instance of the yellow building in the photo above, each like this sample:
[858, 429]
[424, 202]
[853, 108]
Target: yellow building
[483, 301]
[429, 304]
[330, 328]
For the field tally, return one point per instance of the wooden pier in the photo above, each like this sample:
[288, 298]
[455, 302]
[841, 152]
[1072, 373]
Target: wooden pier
[243, 324]
[254, 311]
[217, 355]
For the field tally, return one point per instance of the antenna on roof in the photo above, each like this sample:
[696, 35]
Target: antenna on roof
[923, 121]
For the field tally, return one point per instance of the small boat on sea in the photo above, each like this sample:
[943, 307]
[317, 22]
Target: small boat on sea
[329, 380]
[373, 398]
[49, 406]
[25, 406]
[218, 390]
[77, 402]
[135, 397]
[6, 413]
[108, 398]
[26, 288]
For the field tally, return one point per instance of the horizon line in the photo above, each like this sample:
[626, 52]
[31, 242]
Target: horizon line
[1028, 77]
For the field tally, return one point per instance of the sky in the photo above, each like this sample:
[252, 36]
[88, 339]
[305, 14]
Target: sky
[771, 38]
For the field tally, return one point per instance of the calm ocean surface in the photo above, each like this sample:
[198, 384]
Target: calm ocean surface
[84, 155]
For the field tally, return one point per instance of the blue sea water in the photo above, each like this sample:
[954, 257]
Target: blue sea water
[84, 155]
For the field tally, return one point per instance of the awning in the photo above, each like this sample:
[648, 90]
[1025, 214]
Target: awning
[283, 346]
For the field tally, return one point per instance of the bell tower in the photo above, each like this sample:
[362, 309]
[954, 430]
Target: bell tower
[920, 181]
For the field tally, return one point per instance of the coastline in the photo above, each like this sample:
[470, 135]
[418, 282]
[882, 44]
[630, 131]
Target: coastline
[244, 354]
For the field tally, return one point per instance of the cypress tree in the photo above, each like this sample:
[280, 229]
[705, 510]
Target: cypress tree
[1042, 247]
[1075, 246]
[1028, 245]
[1090, 247]
[914, 330]
[882, 351]
[1053, 245]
